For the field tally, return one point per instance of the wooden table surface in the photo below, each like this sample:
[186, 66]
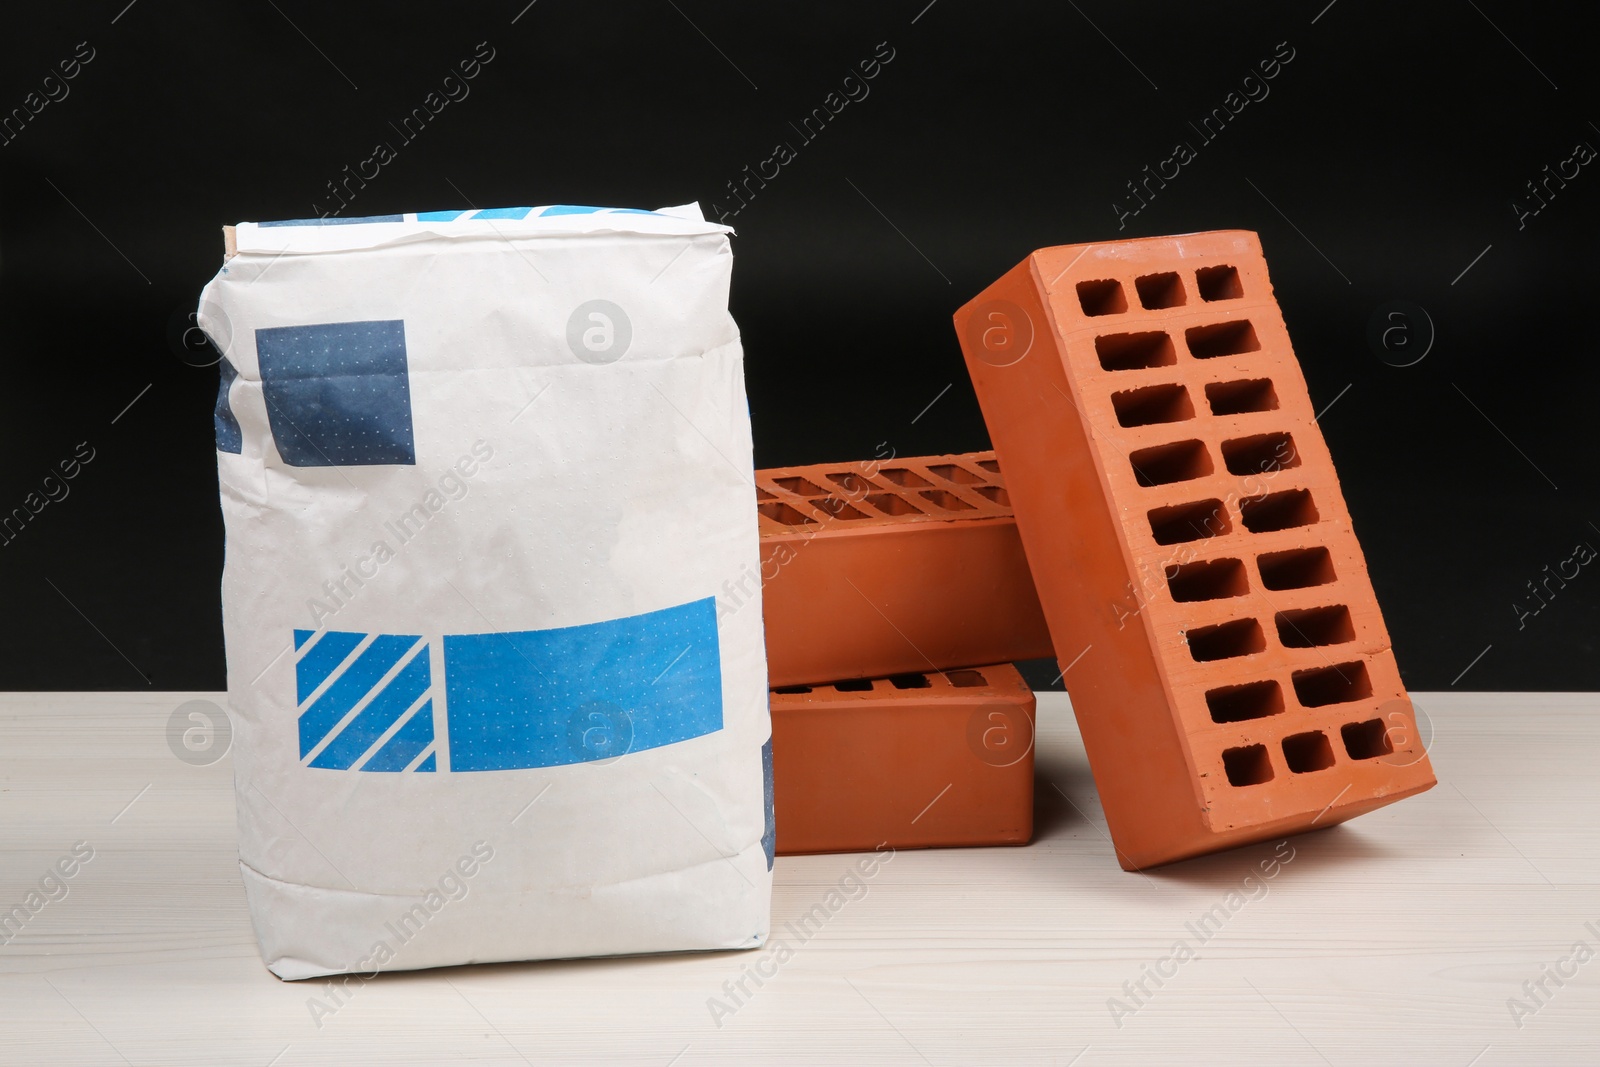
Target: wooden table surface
[1453, 928]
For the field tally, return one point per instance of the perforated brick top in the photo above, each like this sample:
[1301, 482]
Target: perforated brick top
[873, 492]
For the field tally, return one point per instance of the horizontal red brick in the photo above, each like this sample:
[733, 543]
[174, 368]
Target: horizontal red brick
[878, 567]
[912, 761]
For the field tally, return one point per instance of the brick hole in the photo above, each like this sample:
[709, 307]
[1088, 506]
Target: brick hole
[1241, 703]
[1260, 454]
[1189, 522]
[854, 685]
[778, 511]
[1153, 404]
[966, 679]
[763, 494]
[903, 477]
[1297, 568]
[1181, 461]
[790, 690]
[952, 473]
[799, 486]
[1315, 627]
[892, 504]
[1278, 511]
[1219, 283]
[1339, 684]
[1245, 395]
[1160, 290]
[909, 681]
[995, 494]
[1307, 752]
[838, 508]
[1222, 339]
[1135, 351]
[992, 466]
[1215, 579]
[943, 498]
[1102, 297]
[1366, 740]
[1226, 640]
[1249, 765]
[852, 483]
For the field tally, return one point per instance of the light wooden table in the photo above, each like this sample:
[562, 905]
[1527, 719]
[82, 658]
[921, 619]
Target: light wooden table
[1398, 938]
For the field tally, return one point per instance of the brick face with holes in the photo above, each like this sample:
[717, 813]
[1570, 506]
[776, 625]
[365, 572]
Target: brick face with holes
[917, 760]
[883, 566]
[1190, 543]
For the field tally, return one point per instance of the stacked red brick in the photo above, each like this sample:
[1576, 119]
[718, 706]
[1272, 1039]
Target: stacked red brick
[1189, 541]
[873, 568]
[919, 760]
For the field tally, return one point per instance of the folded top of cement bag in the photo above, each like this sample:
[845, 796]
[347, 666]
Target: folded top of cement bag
[340, 234]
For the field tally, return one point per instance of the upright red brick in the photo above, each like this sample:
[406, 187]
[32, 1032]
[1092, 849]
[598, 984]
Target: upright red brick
[913, 761]
[1190, 543]
[874, 568]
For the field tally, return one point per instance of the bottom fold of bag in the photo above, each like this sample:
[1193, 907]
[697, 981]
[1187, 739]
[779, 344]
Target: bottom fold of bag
[468, 915]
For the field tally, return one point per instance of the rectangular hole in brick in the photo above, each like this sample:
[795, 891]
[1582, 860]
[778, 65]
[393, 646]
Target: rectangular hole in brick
[1165, 464]
[1219, 283]
[799, 486]
[992, 466]
[1237, 398]
[854, 685]
[950, 472]
[1226, 640]
[778, 511]
[1278, 511]
[965, 679]
[1153, 404]
[1222, 339]
[1298, 568]
[1248, 765]
[1215, 579]
[1307, 752]
[909, 681]
[791, 690]
[1366, 740]
[942, 498]
[1338, 684]
[1103, 297]
[762, 494]
[901, 476]
[1241, 703]
[1260, 454]
[995, 494]
[892, 504]
[1315, 627]
[1189, 522]
[1160, 290]
[852, 483]
[836, 507]
[1135, 351]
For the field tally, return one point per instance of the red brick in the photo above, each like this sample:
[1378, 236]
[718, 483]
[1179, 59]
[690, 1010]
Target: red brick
[914, 761]
[1184, 525]
[874, 568]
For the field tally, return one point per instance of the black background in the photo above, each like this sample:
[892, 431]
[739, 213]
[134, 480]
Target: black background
[1384, 162]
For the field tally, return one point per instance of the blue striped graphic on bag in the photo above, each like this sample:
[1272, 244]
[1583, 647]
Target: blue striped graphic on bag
[515, 700]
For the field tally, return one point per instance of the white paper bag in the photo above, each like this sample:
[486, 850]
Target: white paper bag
[485, 475]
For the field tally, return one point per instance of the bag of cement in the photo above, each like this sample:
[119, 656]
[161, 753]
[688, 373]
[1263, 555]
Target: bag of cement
[484, 475]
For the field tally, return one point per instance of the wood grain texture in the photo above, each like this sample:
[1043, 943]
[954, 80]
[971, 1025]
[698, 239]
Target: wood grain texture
[1396, 938]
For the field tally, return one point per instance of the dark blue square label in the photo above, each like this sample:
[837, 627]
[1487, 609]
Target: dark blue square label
[338, 394]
